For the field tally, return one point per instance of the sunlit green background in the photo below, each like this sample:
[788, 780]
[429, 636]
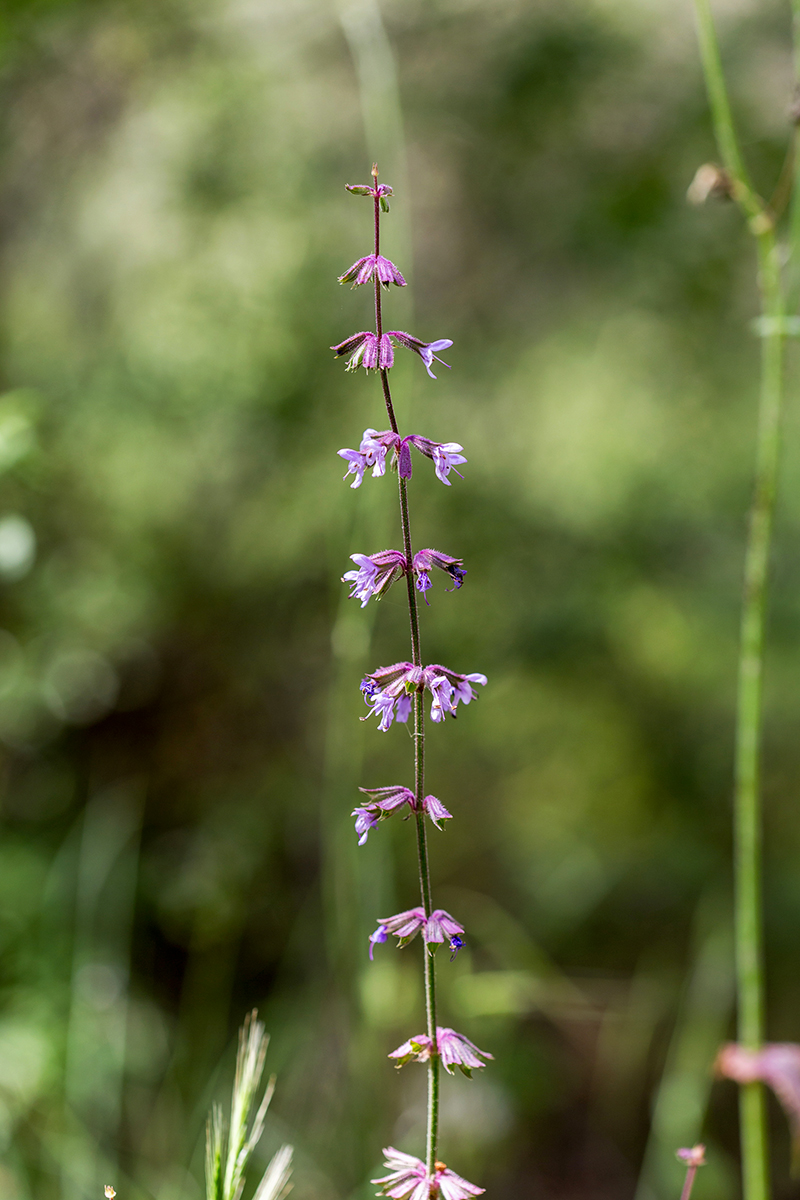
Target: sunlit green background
[179, 665]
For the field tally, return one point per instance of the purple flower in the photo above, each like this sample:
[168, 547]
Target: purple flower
[448, 688]
[375, 938]
[375, 445]
[409, 1180]
[366, 351]
[375, 575]
[373, 264]
[441, 927]
[388, 708]
[405, 926]
[436, 810]
[454, 1050]
[426, 350]
[456, 944]
[446, 455]
[424, 560]
[366, 819]
[386, 800]
[389, 690]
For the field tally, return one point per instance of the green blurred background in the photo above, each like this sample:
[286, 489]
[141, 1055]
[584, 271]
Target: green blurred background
[179, 663]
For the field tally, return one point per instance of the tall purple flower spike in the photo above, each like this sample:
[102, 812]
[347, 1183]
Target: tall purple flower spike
[395, 692]
[410, 1179]
[453, 1048]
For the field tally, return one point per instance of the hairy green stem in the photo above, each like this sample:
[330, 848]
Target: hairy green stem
[747, 792]
[419, 749]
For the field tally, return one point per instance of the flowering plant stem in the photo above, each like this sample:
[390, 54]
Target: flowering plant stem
[747, 793]
[419, 742]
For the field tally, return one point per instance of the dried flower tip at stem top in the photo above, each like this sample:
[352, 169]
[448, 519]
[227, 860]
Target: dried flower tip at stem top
[453, 1048]
[694, 1156]
[437, 928]
[409, 1179]
[709, 180]
[365, 268]
[385, 801]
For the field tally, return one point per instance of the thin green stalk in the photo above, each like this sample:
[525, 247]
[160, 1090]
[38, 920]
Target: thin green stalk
[747, 799]
[419, 749]
[793, 296]
[747, 794]
[721, 115]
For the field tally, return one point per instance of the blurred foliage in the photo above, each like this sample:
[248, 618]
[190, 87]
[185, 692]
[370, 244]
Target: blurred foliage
[178, 668]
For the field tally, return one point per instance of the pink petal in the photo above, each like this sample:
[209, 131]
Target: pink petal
[777, 1064]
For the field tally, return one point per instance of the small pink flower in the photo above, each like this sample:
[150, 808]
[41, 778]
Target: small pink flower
[389, 690]
[446, 456]
[426, 350]
[694, 1156]
[448, 688]
[373, 264]
[375, 445]
[436, 810]
[375, 575]
[366, 350]
[386, 800]
[777, 1064]
[409, 1180]
[383, 802]
[454, 1050]
[425, 560]
[437, 928]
